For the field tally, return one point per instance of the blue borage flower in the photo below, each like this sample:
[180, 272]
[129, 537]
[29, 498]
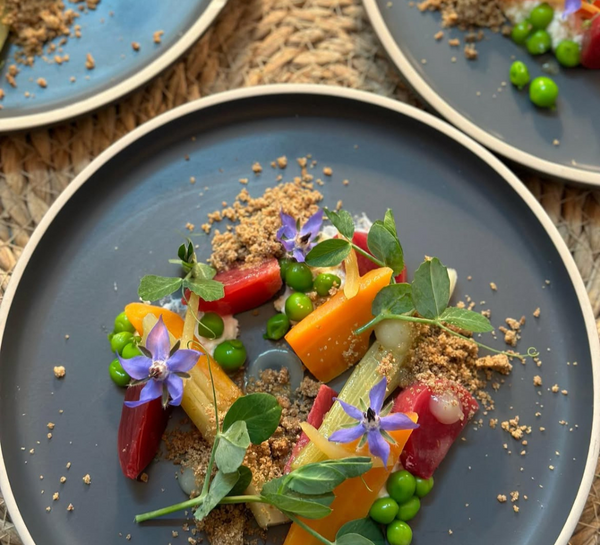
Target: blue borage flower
[571, 6]
[161, 368]
[373, 426]
[299, 241]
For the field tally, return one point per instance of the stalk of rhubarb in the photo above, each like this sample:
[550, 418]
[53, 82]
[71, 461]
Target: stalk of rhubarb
[140, 432]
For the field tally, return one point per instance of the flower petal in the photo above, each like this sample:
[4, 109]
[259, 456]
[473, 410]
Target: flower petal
[313, 224]
[571, 6]
[397, 421]
[175, 387]
[378, 446]
[152, 390]
[377, 395]
[288, 226]
[183, 360]
[158, 341]
[288, 245]
[136, 367]
[350, 410]
[299, 255]
[347, 435]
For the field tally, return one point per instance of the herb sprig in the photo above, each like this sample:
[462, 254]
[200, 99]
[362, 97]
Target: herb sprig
[199, 278]
[306, 492]
[423, 301]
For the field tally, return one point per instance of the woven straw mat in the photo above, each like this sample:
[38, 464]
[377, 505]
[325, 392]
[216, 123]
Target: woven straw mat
[254, 42]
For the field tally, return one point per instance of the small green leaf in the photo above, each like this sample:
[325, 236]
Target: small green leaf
[311, 507]
[328, 253]
[261, 413]
[219, 488]
[232, 446]
[365, 527]
[342, 221]
[393, 299]
[242, 483]
[182, 253]
[209, 290]
[353, 539]
[431, 288]
[466, 319]
[314, 479]
[389, 222]
[202, 271]
[153, 288]
[386, 247]
[274, 486]
[351, 467]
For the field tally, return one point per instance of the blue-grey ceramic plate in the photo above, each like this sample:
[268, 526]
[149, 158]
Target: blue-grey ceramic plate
[107, 33]
[125, 215]
[472, 95]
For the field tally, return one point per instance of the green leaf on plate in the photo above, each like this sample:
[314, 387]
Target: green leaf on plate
[393, 299]
[366, 528]
[466, 319]
[220, 486]
[431, 288]
[209, 290]
[385, 246]
[342, 221]
[261, 413]
[242, 483]
[389, 222]
[328, 253]
[232, 446]
[310, 507]
[153, 288]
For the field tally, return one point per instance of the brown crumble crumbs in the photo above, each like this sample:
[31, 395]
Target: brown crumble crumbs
[516, 430]
[50, 425]
[87, 479]
[135, 46]
[493, 286]
[282, 161]
[514, 496]
[327, 171]
[55, 496]
[516, 508]
[42, 83]
[256, 168]
[59, 371]
[454, 42]
[537, 380]
[90, 63]
[63, 480]
[537, 312]
[157, 36]
[70, 507]
[555, 388]
[501, 498]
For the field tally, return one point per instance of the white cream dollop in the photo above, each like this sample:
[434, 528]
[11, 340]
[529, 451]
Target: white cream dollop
[446, 407]
[231, 330]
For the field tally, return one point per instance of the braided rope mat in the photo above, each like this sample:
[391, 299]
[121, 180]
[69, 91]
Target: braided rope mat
[255, 42]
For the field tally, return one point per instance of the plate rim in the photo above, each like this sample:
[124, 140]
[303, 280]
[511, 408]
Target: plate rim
[128, 85]
[452, 115]
[367, 98]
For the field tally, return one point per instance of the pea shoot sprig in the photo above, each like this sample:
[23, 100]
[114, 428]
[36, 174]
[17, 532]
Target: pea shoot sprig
[424, 301]
[305, 492]
[198, 278]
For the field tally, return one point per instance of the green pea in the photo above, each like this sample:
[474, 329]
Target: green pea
[383, 510]
[277, 327]
[541, 16]
[568, 53]
[118, 374]
[299, 277]
[284, 264]
[424, 486]
[539, 42]
[119, 340]
[211, 326]
[130, 350]
[543, 92]
[409, 509]
[519, 74]
[521, 31]
[401, 486]
[122, 323]
[298, 306]
[230, 355]
[399, 533]
[110, 336]
[324, 282]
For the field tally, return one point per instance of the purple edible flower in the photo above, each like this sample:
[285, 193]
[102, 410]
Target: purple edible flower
[571, 6]
[160, 367]
[299, 241]
[372, 427]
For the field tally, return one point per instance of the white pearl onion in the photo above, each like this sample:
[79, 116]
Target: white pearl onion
[447, 408]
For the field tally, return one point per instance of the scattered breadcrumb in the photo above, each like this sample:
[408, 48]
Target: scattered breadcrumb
[327, 171]
[537, 312]
[42, 83]
[50, 425]
[135, 46]
[70, 507]
[144, 477]
[282, 161]
[454, 42]
[157, 36]
[501, 498]
[493, 286]
[87, 479]
[243, 181]
[516, 508]
[256, 168]
[470, 52]
[515, 429]
[555, 388]
[55, 496]
[63, 480]
[537, 380]
[439, 35]
[90, 63]
[514, 496]
[556, 142]
[59, 371]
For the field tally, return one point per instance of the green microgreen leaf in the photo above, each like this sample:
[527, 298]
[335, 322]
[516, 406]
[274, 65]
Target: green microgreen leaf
[342, 221]
[350, 467]
[314, 479]
[393, 299]
[202, 271]
[153, 288]
[232, 446]
[311, 507]
[220, 486]
[328, 253]
[243, 482]
[389, 222]
[365, 527]
[209, 290]
[466, 319]
[353, 539]
[261, 413]
[385, 246]
[431, 288]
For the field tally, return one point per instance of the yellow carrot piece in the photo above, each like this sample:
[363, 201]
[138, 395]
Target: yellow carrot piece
[325, 339]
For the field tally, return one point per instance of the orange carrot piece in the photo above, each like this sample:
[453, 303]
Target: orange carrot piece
[325, 340]
[352, 498]
[137, 311]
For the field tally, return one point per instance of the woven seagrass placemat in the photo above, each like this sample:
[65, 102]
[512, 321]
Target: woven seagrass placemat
[255, 42]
